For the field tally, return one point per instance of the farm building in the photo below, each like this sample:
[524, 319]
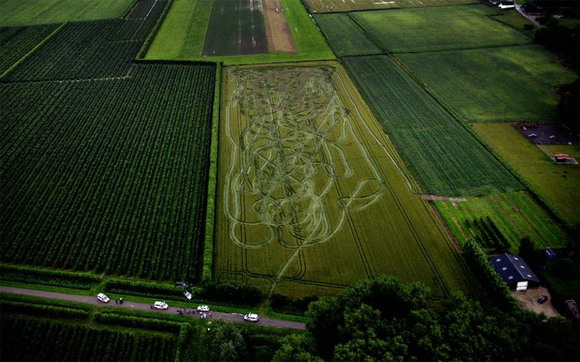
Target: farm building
[514, 271]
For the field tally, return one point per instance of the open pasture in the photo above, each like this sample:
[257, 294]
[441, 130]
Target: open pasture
[182, 35]
[324, 6]
[312, 195]
[505, 217]
[344, 36]
[499, 84]
[34, 12]
[556, 185]
[441, 153]
[438, 28]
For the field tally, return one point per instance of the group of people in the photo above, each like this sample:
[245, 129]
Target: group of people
[119, 301]
[184, 311]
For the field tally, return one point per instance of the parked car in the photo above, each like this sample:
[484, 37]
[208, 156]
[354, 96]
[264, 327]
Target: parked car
[542, 299]
[203, 308]
[251, 317]
[573, 306]
[187, 295]
[103, 298]
[160, 305]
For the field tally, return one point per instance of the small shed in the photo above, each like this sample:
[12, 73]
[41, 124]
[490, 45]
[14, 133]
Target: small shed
[514, 271]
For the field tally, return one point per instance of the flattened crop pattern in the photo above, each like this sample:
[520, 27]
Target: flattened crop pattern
[302, 182]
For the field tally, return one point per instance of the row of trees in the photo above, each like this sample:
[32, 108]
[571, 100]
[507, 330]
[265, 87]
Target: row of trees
[385, 320]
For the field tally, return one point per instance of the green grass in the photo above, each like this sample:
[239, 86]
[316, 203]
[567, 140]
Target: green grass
[556, 185]
[321, 6]
[182, 35]
[499, 84]
[440, 152]
[516, 20]
[439, 28]
[515, 214]
[345, 36]
[34, 12]
[327, 238]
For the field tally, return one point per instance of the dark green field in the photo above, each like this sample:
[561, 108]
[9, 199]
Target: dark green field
[104, 161]
[345, 36]
[235, 28]
[442, 154]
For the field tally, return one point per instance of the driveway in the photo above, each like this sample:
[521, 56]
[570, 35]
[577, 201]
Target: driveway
[232, 317]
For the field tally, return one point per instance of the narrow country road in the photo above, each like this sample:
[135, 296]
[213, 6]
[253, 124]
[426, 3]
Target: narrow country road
[232, 317]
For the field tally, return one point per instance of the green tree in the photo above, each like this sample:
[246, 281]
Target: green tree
[226, 343]
[324, 318]
[296, 348]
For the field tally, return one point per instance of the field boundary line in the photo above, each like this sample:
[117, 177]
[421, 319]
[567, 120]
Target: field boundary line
[211, 209]
[41, 43]
[410, 182]
[508, 45]
[153, 33]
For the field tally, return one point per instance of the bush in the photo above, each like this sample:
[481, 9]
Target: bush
[491, 280]
[59, 278]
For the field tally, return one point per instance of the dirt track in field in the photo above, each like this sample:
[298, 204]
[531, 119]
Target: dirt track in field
[277, 30]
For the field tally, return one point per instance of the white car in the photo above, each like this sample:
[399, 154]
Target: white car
[202, 308]
[160, 305]
[103, 298]
[251, 317]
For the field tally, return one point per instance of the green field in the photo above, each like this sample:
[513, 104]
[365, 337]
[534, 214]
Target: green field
[557, 185]
[312, 195]
[104, 161]
[439, 28]
[344, 36]
[322, 6]
[500, 84]
[33, 12]
[516, 215]
[182, 35]
[516, 20]
[440, 152]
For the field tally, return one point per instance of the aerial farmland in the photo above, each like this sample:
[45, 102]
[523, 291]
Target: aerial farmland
[250, 151]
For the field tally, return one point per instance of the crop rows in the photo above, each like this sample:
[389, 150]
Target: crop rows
[305, 168]
[25, 339]
[442, 154]
[515, 215]
[487, 234]
[88, 50]
[108, 175]
[345, 36]
[17, 42]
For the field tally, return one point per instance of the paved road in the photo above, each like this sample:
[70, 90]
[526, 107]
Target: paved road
[233, 317]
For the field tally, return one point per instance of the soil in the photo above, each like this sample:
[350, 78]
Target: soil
[277, 30]
[529, 300]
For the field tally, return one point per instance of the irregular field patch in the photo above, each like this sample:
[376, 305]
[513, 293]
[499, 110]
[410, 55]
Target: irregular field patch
[441, 153]
[303, 170]
[322, 6]
[344, 36]
[500, 84]
[498, 217]
[34, 12]
[182, 35]
[557, 185]
[438, 28]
